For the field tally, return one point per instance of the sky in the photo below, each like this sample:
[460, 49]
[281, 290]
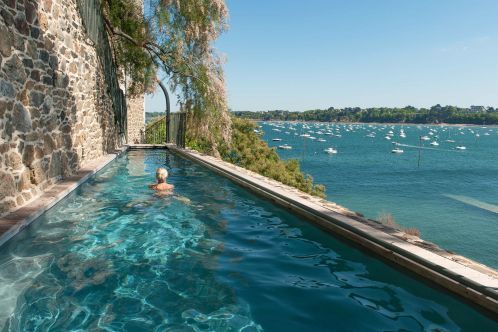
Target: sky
[300, 55]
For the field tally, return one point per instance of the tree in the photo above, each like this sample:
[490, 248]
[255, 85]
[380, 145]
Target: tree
[175, 37]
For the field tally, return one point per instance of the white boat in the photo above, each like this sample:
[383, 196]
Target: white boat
[424, 138]
[321, 140]
[461, 147]
[402, 135]
[388, 138]
[434, 143]
[285, 147]
[397, 150]
[276, 139]
[330, 150]
[305, 135]
[450, 141]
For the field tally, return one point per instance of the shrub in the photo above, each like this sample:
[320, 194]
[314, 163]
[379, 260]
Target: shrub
[250, 151]
[388, 220]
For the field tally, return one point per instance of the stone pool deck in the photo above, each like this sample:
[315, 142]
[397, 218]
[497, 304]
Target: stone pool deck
[472, 281]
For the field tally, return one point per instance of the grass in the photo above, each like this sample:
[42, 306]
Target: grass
[388, 220]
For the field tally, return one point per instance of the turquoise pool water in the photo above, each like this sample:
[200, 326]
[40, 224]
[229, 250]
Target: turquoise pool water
[115, 257]
[452, 197]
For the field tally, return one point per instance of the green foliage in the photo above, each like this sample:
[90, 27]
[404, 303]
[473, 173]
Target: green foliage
[155, 132]
[249, 151]
[408, 114]
[177, 38]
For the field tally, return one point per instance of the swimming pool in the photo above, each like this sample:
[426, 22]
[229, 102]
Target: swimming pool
[113, 256]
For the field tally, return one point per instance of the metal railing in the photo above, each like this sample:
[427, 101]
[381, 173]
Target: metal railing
[155, 132]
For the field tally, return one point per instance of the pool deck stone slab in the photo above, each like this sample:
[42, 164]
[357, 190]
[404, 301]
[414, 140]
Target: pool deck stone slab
[15, 221]
[478, 285]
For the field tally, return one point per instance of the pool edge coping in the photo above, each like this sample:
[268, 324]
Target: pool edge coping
[15, 221]
[475, 286]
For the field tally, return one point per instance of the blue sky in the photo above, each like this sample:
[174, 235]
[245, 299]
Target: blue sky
[299, 55]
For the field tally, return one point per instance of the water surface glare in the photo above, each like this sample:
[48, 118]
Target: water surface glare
[115, 257]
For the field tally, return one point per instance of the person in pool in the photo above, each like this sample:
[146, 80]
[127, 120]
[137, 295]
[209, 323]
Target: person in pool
[161, 176]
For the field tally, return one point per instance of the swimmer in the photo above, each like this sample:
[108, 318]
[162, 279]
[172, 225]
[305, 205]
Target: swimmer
[161, 176]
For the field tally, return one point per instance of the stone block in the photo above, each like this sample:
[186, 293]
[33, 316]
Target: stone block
[37, 174]
[21, 24]
[55, 169]
[7, 89]
[36, 98]
[28, 155]
[14, 161]
[21, 118]
[7, 185]
[14, 69]
[5, 41]
[49, 144]
[24, 181]
[6, 206]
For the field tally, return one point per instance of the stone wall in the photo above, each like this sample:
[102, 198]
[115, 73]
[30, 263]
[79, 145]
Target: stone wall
[135, 119]
[55, 111]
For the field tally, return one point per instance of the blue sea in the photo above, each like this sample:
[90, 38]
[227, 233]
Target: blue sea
[450, 194]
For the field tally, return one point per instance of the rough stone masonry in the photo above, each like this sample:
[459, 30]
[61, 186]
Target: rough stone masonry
[55, 111]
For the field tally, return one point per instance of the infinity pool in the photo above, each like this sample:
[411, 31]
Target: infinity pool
[114, 256]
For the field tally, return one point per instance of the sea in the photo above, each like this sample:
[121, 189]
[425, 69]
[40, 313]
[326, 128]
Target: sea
[439, 179]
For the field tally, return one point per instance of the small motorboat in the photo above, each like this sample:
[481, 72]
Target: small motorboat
[321, 140]
[285, 147]
[397, 150]
[330, 150]
[461, 147]
[424, 138]
[276, 139]
[434, 143]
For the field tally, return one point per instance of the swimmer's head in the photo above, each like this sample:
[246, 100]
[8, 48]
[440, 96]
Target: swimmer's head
[161, 174]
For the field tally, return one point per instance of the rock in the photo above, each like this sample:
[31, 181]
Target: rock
[30, 11]
[55, 169]
[35, 75]
[5, 106]
[28, 155]
[24, 182]
[49, 144]
[7, 206]
[19, 200]
[14, 161]
[7, 89]
[5, 41]
[47, 6]
[37, 175]
[43, 55]
[36, 98]
[22, 118]
[9, 19]
[14, 69]
[7, 185]
[28, 63]
[21, 24]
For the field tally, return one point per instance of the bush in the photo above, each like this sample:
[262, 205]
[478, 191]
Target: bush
[388, 220]
[249, 151]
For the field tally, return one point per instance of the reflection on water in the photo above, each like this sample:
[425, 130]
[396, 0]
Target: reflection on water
[212, 257]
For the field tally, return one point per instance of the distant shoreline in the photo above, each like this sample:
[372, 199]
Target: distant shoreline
[386, 123]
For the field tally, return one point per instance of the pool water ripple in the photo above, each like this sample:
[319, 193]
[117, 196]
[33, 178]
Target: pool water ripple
[114, 256]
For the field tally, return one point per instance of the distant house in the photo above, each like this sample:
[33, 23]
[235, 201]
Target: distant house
[477, 109]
